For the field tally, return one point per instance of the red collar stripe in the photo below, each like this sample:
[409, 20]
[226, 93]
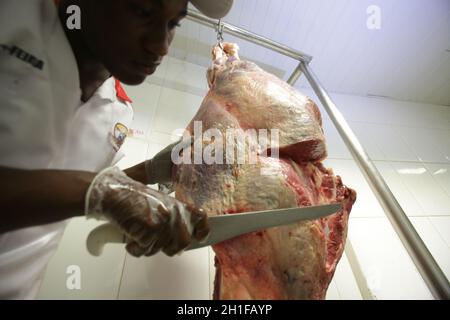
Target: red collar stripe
[121, 93]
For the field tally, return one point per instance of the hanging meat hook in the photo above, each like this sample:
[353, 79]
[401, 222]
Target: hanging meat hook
[219, 31]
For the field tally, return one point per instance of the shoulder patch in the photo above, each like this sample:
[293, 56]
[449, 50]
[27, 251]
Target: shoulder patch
[118, 135]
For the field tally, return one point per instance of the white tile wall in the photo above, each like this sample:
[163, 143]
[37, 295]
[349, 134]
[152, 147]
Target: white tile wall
[136, 150]
[441, 174]
[175, 110]
[159, 277]
[369, 137]
[391, 144]
[424, 144]
[335, 146]
[434, 240]
[388, 270]
[145, 100]
[332, 292]
[394, 180]
[442, 225]
[420, 182]
[186, 74]
[443, 136]
[159, 140]
[345, 282]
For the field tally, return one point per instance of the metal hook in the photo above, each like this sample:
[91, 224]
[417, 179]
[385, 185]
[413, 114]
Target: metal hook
[219, 31]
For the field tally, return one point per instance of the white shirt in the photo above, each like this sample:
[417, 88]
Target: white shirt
[43, 125]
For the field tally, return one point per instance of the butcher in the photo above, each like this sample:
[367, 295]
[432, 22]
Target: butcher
[63, 119]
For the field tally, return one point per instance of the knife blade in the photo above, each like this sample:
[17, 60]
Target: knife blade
[223, 227]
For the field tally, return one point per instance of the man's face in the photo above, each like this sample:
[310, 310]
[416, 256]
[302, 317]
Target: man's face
[130, 37]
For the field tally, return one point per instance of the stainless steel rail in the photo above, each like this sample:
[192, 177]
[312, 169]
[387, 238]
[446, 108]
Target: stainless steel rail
[249, 36]
[422, 258]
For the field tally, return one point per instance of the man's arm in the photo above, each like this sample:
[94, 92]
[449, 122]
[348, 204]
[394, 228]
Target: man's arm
[152, 220]
[36, 197]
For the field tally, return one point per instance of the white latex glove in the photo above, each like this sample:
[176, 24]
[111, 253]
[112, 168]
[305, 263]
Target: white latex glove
[152, 220]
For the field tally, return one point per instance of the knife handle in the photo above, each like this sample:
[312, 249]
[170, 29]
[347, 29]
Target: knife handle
[101, 235]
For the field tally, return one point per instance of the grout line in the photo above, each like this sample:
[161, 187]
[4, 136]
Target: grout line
[121, 276]
[147, 157]
[337, 288]
[438, 232]
[436, 181]
[157, 104]
[404, 187]
[182, 87]
[396, 161]
[359, 95]
[409, 216]
[394, 125]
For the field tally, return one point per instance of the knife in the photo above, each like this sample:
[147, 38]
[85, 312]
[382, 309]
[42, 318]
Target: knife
[222, 227]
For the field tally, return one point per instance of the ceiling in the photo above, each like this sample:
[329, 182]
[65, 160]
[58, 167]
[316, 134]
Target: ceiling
[408, 58]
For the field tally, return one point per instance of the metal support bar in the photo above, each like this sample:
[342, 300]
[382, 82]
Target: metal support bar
[421, 256]
[249, 36]
[424, 261]
[295, 75]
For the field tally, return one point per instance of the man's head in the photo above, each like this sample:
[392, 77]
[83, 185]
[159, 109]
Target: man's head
[130, 37]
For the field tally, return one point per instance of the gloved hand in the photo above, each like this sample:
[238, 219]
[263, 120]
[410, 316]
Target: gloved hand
[159, 168]
[153, 221]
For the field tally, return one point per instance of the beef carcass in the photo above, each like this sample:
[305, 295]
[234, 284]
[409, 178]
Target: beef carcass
[290, 262]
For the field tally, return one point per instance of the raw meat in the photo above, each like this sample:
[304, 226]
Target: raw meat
[291, 262]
